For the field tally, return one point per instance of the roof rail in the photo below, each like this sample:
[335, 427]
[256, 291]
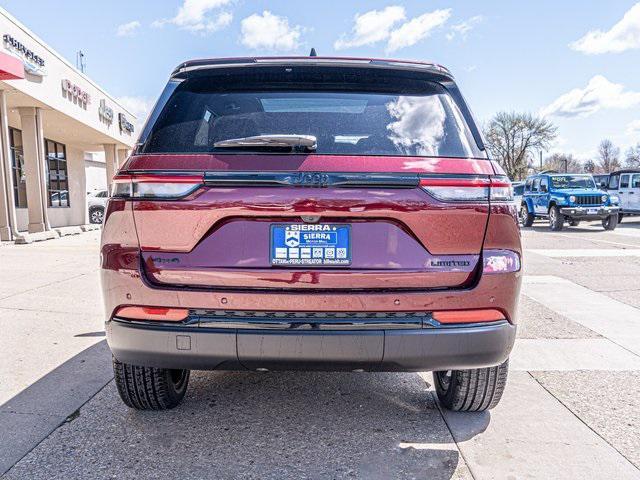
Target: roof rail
[624, 170]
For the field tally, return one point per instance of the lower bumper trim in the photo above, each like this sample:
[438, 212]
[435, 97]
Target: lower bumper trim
[374, 350]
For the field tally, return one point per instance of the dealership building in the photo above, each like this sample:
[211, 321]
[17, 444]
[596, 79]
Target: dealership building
[55, 122]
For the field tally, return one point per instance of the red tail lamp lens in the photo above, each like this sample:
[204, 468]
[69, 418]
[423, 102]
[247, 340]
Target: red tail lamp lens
[469, 189]
[155, 186]
[153, 313]
[468, 316]
[457, 189]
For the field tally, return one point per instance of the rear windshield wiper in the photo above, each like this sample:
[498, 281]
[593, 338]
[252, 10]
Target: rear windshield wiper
[295, 142]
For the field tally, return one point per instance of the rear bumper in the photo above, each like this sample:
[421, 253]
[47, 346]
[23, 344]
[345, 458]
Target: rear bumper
[205, 348]
[588, 212]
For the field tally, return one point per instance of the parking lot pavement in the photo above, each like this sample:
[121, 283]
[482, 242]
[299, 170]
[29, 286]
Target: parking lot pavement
[570, 409]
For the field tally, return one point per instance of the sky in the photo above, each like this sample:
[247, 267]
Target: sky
[575, 62]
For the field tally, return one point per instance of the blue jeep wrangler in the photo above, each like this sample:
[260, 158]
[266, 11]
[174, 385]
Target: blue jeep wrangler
[567, 196]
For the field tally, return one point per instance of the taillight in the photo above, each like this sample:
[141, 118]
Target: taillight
[501, 189]
[162, 314]
[155, 186]
[500, 261]
[472, 189]
[457, 189]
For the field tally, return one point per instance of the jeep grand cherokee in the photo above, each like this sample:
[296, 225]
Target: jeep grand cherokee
[313, 214]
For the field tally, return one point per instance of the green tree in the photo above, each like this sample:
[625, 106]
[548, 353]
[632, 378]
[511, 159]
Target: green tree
[512, 138]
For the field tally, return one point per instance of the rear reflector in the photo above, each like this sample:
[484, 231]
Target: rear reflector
[155, 186]
[468, 316]
[153, 313]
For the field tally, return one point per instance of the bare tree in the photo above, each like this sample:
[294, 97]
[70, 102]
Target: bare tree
[590, 166]
[608, 156]
[632, 157]
[513, 137]
[562, 162]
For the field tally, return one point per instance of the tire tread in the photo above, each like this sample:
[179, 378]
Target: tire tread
[146, 388]
[474, 390]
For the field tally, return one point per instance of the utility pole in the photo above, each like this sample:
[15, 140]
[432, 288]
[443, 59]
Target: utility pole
[80, 63]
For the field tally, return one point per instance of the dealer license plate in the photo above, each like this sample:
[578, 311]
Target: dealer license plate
[302, 244]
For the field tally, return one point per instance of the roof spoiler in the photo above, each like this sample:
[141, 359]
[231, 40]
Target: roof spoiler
[183, 70]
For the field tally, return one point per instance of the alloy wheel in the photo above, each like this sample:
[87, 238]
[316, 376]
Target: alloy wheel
[97, 216]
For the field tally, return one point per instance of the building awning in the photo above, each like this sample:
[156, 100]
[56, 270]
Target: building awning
[11, 68]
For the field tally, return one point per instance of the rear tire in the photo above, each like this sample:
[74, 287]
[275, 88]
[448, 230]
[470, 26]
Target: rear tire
[611, 222]
[149, 388]
[473, 390]
[526, 218]
[556, 219]
[620, 217]
[574, 223]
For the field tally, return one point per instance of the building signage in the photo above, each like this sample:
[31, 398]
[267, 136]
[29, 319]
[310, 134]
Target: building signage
[105, 112]
[33, 63]
[75, 93]
[125, 125]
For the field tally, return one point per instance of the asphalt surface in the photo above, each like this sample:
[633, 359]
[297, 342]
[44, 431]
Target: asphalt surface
[570, 409]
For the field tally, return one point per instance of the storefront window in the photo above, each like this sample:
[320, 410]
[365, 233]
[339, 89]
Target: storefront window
[58, 178]
[17, 165]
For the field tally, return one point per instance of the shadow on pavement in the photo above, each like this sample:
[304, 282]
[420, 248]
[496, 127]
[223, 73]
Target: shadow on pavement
[30, 416]
[91, 334]
[249, 425]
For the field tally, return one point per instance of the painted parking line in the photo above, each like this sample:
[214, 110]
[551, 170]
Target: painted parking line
[570, 354]
[579, 236]
[586, 252]
[612, 319]
[628, 232]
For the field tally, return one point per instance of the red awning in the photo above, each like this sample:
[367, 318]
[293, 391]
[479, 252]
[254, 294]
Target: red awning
[11, 68]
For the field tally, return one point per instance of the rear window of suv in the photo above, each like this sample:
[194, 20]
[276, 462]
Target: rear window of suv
[347, 114]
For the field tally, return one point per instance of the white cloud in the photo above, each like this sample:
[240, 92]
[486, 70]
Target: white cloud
[379, 25]
[371, 27]
[463, 28]
[416, 29]
[196, 16]
[269, 32]
[127, 29]
[599, 93]
[633, 128]
[138, 106]
[624, 35]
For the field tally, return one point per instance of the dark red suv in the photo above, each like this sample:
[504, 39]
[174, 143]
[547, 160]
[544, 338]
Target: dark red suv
[314, 214]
